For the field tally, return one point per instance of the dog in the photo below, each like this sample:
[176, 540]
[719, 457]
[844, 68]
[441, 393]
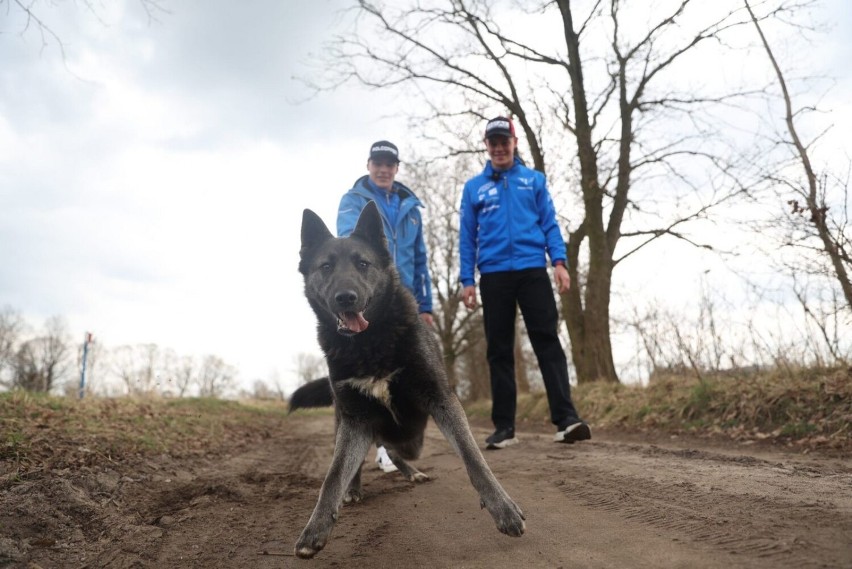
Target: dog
[386, 374]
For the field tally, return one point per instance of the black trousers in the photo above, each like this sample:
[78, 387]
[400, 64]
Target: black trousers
[531, 290]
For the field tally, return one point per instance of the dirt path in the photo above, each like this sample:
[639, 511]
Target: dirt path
[608, 503]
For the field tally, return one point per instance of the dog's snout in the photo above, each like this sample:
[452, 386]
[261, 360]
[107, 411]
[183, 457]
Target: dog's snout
[346, 298]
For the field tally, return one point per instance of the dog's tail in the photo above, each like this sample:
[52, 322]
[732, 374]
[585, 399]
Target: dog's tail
[315, 393]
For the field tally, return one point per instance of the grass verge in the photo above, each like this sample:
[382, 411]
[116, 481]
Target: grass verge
[41, 432]
[808, 409]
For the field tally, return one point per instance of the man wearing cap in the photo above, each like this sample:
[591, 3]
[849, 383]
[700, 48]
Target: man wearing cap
[400, 211]
[508, 229]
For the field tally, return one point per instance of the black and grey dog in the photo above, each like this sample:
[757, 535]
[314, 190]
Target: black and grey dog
[386, 375]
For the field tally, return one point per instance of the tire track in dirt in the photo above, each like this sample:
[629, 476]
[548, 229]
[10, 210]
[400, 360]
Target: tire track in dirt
[749, 507]
[596, 505]
[640, 506]
[255, 492]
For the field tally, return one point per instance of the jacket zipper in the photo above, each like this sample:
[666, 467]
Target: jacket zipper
[509, 221]
[392, 227]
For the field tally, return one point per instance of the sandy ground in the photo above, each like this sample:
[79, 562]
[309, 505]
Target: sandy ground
[606, 503]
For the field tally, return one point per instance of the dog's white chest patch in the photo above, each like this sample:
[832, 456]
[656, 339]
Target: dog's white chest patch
[375, 387]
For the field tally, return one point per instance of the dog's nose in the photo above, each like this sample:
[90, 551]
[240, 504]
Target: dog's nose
[346, 298]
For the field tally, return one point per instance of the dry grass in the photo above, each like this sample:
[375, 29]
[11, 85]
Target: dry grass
[807, 409]
[42, 433]
[39, 433]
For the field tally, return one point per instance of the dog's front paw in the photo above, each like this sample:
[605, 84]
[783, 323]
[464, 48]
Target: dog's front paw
[509, 518]
[309, 544]
[315, 535]
[418, 477]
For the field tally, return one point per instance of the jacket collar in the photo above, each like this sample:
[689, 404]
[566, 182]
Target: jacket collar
[364, 186]
[489, 170]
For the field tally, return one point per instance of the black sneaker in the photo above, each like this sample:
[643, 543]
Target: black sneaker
[578, 431]
[501, 438]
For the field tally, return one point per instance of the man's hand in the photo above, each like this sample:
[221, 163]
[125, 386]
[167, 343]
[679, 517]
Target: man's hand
[560, 276]
[427, 318]
[469, 297]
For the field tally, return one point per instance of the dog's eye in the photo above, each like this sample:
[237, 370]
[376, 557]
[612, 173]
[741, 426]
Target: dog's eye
[325, 267]
[363, 265]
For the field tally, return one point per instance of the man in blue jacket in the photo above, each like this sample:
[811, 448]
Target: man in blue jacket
[400, 211]
[508, 228]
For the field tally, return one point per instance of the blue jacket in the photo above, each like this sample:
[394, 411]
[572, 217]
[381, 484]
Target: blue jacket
[508, 223]
[405, 237]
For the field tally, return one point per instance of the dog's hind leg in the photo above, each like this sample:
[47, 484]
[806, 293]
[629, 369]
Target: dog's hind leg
[350, 448]
[451, 420]
[407, 470]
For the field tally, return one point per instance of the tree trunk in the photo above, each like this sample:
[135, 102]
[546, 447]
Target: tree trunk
[588, 326]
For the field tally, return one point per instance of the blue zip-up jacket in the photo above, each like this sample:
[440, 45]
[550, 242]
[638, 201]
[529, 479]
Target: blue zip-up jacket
[405, 238]
[508, 223]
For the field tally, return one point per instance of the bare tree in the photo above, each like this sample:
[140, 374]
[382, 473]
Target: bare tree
[40, 363]
[277, 384]
[262, 390]
[621, 121]
[168, 365]
[439, 188]
[123, 365]
[137, 367]
[827, 323]
[812, 219]
[474, 378]
[184, 375]
[36, 17]
[309, 367]
[11, 328]
[215, 377]
[147, 372]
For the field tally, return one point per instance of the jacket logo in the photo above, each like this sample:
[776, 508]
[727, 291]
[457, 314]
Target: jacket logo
[481, 190]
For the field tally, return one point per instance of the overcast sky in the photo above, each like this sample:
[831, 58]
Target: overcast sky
[152, 182]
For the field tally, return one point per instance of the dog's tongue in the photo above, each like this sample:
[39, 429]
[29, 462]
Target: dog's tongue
[354, 321]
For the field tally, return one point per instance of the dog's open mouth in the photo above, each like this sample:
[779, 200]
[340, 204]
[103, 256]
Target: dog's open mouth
[351, 323]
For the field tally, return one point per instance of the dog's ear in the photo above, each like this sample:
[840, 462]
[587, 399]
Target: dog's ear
[314, 232]
[369, 228]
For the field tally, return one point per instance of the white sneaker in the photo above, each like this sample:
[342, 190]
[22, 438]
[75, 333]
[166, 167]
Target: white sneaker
[383, 460]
